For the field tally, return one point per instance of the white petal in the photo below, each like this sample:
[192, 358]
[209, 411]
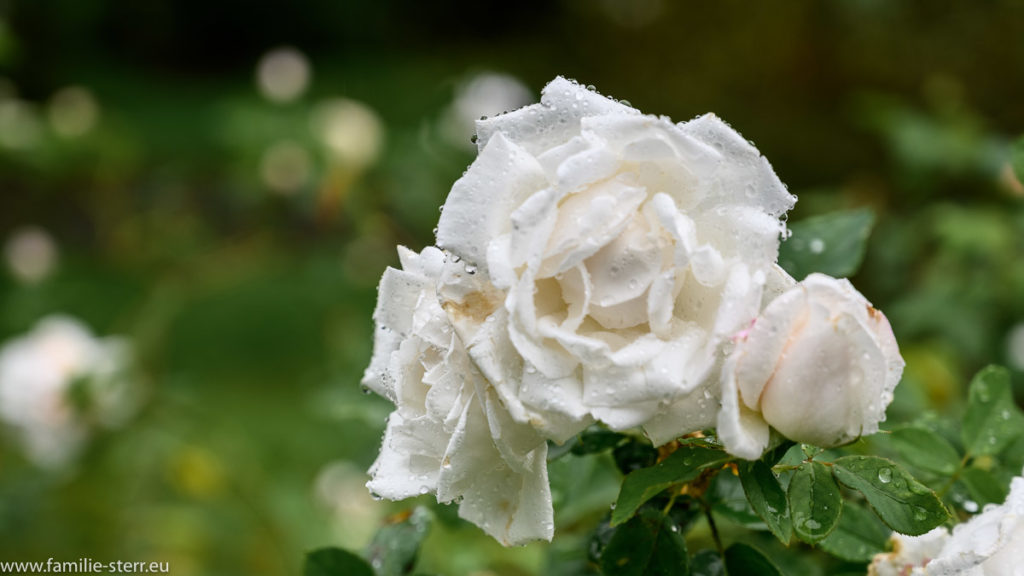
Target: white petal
[513, 505]
[742, 431]
[479, 204]
[557, 405]
[758, 356]
[744, 177]
[554, 121]
[836, 370]
[397, 294]
[690, 413]
[409, 458]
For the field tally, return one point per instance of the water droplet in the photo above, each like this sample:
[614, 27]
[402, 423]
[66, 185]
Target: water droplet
[812, 524]
[971, 506]
[885, 475]
[817, 246]
[424, 489]
[365, 389]
[920, 513]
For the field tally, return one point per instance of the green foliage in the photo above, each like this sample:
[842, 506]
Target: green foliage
[814, 501]
[596, 439]
[743, 559]
[832, 244]
[682, 466]
[983, 486]
[395, 547]
[992, 420]
[335, 562]
[707, 563]
[858, 537]
[649, 544]
[767, 498]
[903, 503]
[925, 450]
[1017, 158]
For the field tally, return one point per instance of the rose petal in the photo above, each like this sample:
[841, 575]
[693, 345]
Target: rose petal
[513, 505]
[744, 176]
[479, 203]
[690, 413]
[555, 120]
[409, 459]
[743, 431]
[398, 293]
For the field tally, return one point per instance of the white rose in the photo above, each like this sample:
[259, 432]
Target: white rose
[616, 252]
[819, 365]
[990, 544]
[37, 372]
[449, 434]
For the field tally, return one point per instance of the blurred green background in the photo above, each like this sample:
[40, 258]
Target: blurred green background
[225, 181]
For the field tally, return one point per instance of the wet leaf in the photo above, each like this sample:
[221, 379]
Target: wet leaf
[903, 503]
[992, 420]
[858, 537]
[831, 243]
[683, 465]
[395, 547]
[814, 502]
[650, 544]
[767, 498]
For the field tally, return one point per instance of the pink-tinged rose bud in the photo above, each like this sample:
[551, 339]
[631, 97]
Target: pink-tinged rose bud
[819, 365]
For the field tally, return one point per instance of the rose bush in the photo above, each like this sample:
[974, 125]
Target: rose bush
[989, 544]
[617, 253]
[819, 365]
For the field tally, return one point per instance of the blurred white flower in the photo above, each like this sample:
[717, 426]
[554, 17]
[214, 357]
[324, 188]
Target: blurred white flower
[1015, 346]
[351, 130]
[286, 167]
[340, 487]
[57, 382]
[20, 125]
[30, 254]
[989, 544]
[819, 365]
[283, 74]
[73, 111]
[484, 94]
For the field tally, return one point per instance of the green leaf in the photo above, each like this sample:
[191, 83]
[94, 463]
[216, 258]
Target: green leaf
[983, 487]
[1017, 158]
[814, 502]
[633, 455]
[395, 547]
[992, 420]
[903, 503]
[767, 498]
[596, 439]
[858, 537]
[725, 494]
[335, 562]
[707, 563]
[831, 243]
[683, 465]
[741, 559]
[650, 544]
[926, 450]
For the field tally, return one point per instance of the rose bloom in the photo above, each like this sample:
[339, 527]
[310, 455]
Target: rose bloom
[621, 251]
[596, 263]
[819, 365]
[55, 381]
[989, 544]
